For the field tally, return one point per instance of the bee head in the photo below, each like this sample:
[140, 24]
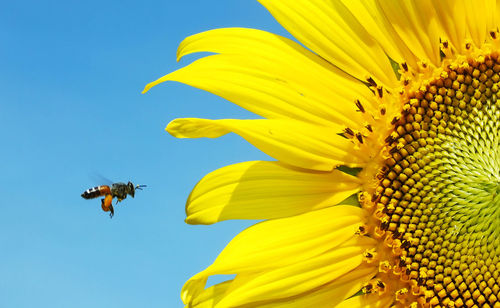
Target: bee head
[131, 189]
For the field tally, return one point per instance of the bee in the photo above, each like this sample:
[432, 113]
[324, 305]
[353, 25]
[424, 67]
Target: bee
[117, 190]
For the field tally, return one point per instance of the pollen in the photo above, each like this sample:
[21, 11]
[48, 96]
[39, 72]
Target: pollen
[437, 203]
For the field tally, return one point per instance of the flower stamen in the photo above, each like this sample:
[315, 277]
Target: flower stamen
[437, 201]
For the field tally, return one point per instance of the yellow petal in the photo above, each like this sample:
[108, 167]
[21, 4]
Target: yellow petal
[284, 242]
[480, 18]
[328, 295]
[416, 24]
[497, 13]
[265, 190]
[293, 142]
[202, 298]
[298, 89]
[300, 276]
[211, 296]
[329, 29]
[451, 17]
[289, 61]
[465, 19]
[367, 301]
[370, 15]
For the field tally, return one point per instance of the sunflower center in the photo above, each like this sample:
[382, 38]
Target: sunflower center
[438, 199]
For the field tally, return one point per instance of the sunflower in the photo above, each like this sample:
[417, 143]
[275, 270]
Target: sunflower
[384, 125]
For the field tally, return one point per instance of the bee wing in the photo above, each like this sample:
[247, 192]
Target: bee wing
[98, 179]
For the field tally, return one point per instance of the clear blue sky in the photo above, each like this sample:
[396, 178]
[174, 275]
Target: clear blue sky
[71, 73]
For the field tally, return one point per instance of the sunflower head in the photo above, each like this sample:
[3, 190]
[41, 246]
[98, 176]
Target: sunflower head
[385, 129]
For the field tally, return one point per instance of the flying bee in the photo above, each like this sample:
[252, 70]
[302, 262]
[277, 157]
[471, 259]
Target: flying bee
[117, 190]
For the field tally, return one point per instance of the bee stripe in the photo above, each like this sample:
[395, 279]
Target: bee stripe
[95, 192]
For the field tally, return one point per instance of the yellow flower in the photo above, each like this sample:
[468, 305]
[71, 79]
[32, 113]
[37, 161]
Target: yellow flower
[392, 102]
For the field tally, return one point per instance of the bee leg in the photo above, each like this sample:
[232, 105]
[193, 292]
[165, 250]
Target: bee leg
[106, 204]
[112, 211]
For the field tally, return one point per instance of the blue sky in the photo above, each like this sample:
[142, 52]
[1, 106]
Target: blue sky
[70, 109]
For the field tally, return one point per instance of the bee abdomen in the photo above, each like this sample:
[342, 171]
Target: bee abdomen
[95, 192]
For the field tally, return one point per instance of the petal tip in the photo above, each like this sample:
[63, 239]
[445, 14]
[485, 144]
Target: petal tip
[147, 88]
